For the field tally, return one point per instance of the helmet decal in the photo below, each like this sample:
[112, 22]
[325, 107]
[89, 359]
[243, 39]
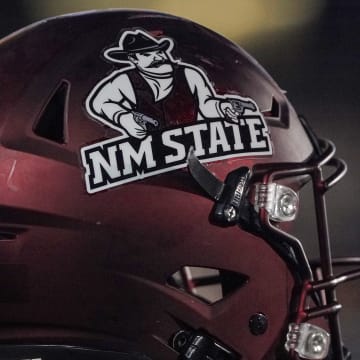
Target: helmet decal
[141, 101]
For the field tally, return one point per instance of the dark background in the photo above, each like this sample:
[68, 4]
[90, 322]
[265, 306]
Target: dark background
[318, 63]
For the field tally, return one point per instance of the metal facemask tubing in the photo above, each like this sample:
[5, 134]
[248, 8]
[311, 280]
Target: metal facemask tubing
[232, 207]
[330, 307]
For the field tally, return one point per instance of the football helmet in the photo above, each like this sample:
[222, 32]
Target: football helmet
[150, 178]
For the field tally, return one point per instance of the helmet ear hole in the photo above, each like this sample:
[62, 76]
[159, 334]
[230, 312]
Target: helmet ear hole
[51, 124]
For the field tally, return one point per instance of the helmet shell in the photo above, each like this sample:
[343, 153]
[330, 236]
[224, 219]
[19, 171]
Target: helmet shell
[99, 263]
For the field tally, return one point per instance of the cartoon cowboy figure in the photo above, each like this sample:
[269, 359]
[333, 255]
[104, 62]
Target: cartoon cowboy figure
[154, 88]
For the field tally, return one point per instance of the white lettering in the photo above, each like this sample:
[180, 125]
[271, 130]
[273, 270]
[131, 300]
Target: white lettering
[169, 142]
[218, 138]
[238, 145]
[195, 130]
[254, 133]
[130, 154]
[119, 161]
[99, 164]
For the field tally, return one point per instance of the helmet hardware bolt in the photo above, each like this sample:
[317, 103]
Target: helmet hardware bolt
[258, 324]
[180, 340]
[230, 213]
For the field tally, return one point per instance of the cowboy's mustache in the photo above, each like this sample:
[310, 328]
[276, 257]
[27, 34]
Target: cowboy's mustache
[157, 63]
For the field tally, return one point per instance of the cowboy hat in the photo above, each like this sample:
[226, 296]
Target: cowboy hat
[135, 41]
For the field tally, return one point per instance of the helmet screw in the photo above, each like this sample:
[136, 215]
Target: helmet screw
[180, 340]
[258, 324]
[230, 213]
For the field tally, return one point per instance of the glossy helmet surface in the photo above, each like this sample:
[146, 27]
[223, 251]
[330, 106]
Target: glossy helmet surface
[149, 170]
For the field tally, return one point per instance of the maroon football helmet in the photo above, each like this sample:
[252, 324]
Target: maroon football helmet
[150, 176]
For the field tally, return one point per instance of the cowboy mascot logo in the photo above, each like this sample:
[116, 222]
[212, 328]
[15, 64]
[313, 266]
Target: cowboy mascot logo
[153, 101]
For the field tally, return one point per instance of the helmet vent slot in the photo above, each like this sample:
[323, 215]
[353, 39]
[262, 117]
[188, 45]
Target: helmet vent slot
[52, 123]
[10, 233]
[278, 114]
[207, 284]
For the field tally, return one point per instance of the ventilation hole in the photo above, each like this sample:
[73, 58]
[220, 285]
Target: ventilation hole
[52, 121]
[278, 115]
[207, 284]
[275, 109]
[10, 233]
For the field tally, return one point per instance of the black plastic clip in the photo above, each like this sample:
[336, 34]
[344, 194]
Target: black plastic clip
[199, 346]
[228, 208]
[229, 197]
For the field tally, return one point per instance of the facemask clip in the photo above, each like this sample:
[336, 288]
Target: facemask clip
[229, 196]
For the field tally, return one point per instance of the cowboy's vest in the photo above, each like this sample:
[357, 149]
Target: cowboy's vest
[179, 107]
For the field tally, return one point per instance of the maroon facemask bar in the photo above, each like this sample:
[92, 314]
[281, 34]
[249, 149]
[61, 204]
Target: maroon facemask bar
[261, 214]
